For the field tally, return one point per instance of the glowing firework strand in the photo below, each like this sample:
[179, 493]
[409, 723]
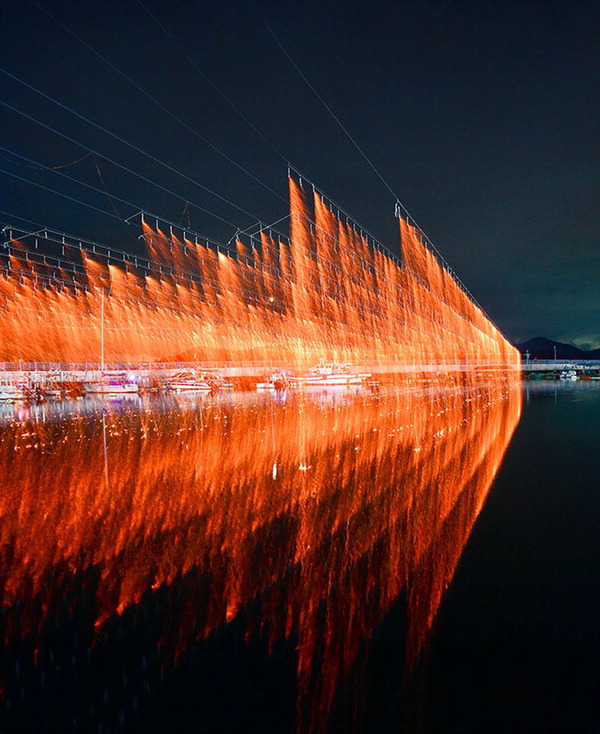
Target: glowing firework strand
[327, 293]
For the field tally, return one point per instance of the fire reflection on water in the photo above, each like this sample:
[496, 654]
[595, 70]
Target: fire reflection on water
[323, 510]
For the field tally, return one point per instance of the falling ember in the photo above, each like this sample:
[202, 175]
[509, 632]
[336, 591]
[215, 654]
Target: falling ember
[327, 292]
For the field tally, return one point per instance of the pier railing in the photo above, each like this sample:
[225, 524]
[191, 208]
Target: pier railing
[559, 364]
[88, 371]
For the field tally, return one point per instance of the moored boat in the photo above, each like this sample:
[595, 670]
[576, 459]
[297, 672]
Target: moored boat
[277, 381]
[330, 374]
[193, 381]
[112, 383]
[568, 375]
[53, 386]
[12, 391]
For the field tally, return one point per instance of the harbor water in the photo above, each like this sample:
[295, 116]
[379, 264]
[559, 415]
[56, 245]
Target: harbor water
[418, 558]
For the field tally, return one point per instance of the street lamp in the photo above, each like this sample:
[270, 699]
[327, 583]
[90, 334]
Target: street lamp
[554, 352]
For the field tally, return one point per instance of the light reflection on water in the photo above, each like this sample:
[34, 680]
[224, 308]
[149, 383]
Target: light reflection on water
[324, 508]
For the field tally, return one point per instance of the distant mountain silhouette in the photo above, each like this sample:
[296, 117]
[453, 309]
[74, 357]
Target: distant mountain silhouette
[543, 348]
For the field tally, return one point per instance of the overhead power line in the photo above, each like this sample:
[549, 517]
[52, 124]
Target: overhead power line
[59, 193]
[166, 110]
[104, 192]
[399, 204]
[126, 142]
[211, 83]
[116, 163]
[335, 117]
[22, 219]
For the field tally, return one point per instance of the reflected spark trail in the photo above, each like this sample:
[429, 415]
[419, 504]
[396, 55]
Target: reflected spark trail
[374, 496]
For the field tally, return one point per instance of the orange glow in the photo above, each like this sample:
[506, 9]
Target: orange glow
[323, 509]
[327, 294]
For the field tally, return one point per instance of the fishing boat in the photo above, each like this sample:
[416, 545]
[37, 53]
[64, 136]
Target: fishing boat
[186, 381]
[193, 381]
[53, 386]
[10, 391]
[56, 393]
[112, 383]
[277, 381]
[568, 375]
[330, 374]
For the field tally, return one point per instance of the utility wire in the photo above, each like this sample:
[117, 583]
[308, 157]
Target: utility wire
[110, 198]
[172, 115]
[54, 168]
[23, 219]
[77, 181]
[212, 84]
[58, 193]
[125, 142]
[332, 113]
[115, 163]
[116, 214]
[166, 110]
[366, 158]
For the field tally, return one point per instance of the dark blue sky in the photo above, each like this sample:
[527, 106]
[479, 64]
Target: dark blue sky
[482, 117]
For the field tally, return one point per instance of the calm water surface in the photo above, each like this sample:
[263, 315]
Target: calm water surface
[340, 561]
[517, 648]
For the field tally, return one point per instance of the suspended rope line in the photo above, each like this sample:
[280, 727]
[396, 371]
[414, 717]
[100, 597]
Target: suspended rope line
[262, 227]
[72, 163]
[166, 110]
[113, 254]
[125, 142]
[77, 181]
[116, 214]
[111, 198]
[210, 83]
[52, 168]
[101, 177]
[116, 163]
[186, 212]
[58, 193]
[332, 113]
[23, 219]
[340, 210]
[399, 205]
[336, 207]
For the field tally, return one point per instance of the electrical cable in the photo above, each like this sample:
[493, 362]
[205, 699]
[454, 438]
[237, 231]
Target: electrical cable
[115, 163]
[212, 84]
[372, 166]
[58, 193]
[75, 180]
[23, 219]
[331, 112]
[166, 110]
[127, 143]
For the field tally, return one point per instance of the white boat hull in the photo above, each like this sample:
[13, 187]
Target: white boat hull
[12, 394]
[98, 389]
[329, 380]
[569, 375]
[198, 387]
[58, 394]
[275, 383]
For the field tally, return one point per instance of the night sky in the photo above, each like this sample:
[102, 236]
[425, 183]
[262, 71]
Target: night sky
[483, 118]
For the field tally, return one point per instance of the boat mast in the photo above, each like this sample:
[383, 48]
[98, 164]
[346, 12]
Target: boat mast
[102, 332]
